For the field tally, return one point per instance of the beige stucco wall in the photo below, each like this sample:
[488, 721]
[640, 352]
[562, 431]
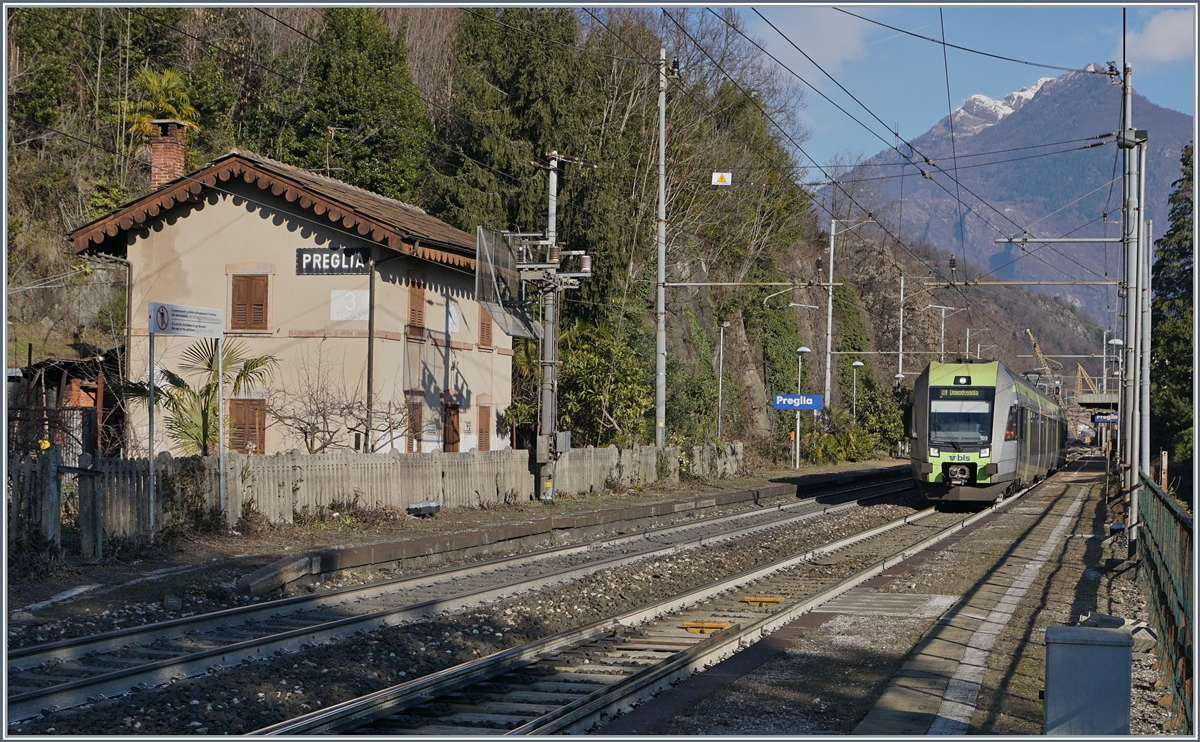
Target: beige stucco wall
[189, 258]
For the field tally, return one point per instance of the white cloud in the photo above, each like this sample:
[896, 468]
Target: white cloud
[831, 38]
[1167, 37]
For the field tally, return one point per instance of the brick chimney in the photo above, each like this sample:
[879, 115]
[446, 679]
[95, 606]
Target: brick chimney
[166, 151]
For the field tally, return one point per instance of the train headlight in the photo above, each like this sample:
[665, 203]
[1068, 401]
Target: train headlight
[985, 452]
[933, 451]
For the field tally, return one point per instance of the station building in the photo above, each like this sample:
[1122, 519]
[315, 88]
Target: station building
[288, 256]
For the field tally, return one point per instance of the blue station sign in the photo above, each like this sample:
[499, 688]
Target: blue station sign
[799, 401]
[1104, 417]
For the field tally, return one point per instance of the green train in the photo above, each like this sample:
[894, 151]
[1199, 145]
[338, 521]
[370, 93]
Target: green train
[979, 431]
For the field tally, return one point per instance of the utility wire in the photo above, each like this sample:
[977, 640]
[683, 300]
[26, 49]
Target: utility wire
[968, 49]
[928, 160]
[962, 238]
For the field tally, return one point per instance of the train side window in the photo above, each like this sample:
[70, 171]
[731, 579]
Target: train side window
[1010, 428]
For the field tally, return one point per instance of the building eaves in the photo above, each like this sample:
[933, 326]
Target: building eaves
[389, 222]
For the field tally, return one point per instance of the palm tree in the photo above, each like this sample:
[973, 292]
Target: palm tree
[166, 97]
[192, 410]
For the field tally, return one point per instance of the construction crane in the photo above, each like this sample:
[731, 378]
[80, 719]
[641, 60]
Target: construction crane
[1045, 363]
[1081, 376]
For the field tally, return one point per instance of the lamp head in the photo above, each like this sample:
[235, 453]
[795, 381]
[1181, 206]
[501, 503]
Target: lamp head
[857, 364]
[803, 349]
[1116, 341]
[724, 324]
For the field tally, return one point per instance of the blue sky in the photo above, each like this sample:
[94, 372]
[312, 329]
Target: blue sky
[903, 79]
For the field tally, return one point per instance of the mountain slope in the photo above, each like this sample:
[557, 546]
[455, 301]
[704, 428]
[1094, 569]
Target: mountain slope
[1021, 165]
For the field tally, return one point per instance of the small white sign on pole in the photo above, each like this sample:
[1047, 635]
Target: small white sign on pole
[178, 319]
[722, 179]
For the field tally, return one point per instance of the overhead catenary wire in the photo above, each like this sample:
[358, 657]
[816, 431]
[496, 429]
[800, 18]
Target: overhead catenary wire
[928, 160]
[962, 238]
[968, 49]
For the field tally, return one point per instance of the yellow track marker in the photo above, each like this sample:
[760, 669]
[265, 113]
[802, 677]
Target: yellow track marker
[705, 627]
[763, 599]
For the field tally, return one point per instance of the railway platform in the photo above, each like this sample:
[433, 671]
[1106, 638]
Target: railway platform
[976, 606]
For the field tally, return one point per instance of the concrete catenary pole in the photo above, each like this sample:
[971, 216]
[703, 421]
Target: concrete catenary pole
[900, 371]
[660, 303]
[1128, 401]
[829, 323]
[549, 346]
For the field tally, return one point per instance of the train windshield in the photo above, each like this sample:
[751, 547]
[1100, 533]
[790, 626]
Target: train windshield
[960, 415]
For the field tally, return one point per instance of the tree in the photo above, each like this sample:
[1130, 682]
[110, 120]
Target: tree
[366, 121]
[192, 410]
[1171, 353]
[166, 97]
[603, 392]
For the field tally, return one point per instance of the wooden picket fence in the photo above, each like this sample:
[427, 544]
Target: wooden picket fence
[114, 497]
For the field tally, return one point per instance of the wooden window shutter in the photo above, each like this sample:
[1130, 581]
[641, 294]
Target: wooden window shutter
[485, 327]
[414, 426]
[485, 429]
[248, 425]
[249, 303]
[416, 299]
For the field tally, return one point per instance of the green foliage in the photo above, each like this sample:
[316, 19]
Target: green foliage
[692, 396]
[192, 410]
[1173, 260]
[603, 388]
[164, 96]
[1171, 353]
[774, 331]
[105, 196]
[366, 114]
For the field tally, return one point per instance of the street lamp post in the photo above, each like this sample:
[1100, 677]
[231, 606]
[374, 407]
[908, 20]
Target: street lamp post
[856, 366]
[799, 375]
[720, 378]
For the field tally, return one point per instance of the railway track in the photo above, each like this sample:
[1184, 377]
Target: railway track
[67, 673]
[574, 681]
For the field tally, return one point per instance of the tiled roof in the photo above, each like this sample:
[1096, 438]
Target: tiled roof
[387, 221]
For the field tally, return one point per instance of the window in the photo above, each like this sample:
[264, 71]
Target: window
[958, 415]
[485, 328]
[416, 300]
[248, 425]
[249, 303]
[1010, 428]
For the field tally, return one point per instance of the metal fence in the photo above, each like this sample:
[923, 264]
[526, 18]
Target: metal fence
[1165, 573]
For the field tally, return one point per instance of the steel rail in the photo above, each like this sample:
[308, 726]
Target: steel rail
[68, 649]
[31, 703]
[360, 711]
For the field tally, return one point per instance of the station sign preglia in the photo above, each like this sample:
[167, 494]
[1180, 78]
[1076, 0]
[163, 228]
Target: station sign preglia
[799, 401]
[320, 261]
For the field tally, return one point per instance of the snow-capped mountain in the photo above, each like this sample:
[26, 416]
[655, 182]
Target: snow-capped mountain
[1037, 160]
[980, 111]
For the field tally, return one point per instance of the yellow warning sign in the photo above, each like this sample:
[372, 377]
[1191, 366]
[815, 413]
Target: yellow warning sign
[722, 179]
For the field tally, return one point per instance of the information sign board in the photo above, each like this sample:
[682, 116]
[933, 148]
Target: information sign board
[178, 319]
